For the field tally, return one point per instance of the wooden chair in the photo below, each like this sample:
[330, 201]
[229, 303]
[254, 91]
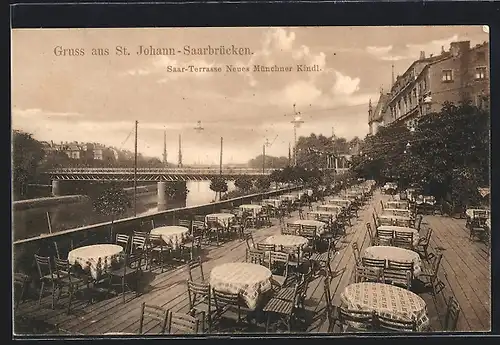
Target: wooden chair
[384, 233]
[309, 232]
[21, 282]
[193, 265]
[355, 321]
[130, 267]
[153, 313]
[249, 241]
[384, 221]
[225, 301]
[200, 301]
[185, 223]
[477, 228]
[390, 325]
[429, 273]
[66, 279]
[452, 315]
[198, 227]
[123, 240]
[138, 246]
[179, 323]
[401, 278]
[157, 250]
[278, 265]
[369, 230]
[191, 248]
[46, 276]
[290, 229]
[399, 265]
[282, 308]
[255, 256]
[423, 244]
[355, 251]
[321, 261]
[405, 243]
[368, 274]
[375, 263]
[329, 307]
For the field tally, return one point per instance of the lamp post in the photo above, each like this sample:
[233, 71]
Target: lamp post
[297, 121]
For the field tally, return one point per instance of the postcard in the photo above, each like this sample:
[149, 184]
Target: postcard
[251, 180]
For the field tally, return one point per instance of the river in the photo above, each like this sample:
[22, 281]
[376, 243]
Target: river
[33, 222]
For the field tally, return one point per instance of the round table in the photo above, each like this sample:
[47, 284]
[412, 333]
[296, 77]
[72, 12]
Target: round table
[316, 214]
[273, 202]
[288, 197]
[394, 254]
[288, 241]
[320, 226]
[173, 235]
[222, 218]
[416, 235]
[98, 257]
[340, 202]
[255, 209]
[330, 207]
[397, 204]
[249, 280]
[387, 300]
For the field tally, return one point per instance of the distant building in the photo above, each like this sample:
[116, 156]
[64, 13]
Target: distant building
[460, 74]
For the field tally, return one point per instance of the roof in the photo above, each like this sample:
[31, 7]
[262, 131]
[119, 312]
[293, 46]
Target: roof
[380, 108]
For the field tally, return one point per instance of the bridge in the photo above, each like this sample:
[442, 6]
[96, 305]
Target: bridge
[151, 174]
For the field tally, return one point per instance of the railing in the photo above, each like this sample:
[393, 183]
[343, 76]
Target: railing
[98, 233]
[186, 171]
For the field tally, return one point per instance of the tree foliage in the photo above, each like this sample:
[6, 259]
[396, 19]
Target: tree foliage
[447, 154]
[244, 183]
[218, 185]
[112, 201]
[270, 162]
[263, 183]
[27, 156]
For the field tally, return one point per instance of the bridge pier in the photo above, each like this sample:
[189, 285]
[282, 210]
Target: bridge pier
[162, 196]
[56, 188]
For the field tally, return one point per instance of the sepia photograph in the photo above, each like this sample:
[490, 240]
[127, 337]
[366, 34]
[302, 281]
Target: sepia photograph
[250, 180]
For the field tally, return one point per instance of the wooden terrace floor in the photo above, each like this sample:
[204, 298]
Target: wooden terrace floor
[465, 271]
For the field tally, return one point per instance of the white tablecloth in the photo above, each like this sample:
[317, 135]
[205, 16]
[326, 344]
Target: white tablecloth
[249, 280]
[400, 204]
[337, 201]
[387, 300]
[98, 257]
[416, 235]
[329, 207]
[173, 235]
[394, 254]
[473, 212]
[288, 197]
[288, 241]
[273, 202]
[222, 218]
[320, 226]
[396, 212]
[316, 214]
[254, 209]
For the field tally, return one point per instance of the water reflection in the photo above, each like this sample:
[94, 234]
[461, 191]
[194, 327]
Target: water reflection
[32, 222]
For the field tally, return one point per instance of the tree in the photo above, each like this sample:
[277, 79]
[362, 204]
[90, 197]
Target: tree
[243, 183]
[111, 202]
[27, 156]
[270, 162]
[218, 185]
[263, 183]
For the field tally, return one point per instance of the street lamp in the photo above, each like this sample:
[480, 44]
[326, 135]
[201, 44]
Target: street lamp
[297, 121]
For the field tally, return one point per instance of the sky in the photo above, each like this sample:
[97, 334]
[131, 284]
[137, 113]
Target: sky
[97, 98]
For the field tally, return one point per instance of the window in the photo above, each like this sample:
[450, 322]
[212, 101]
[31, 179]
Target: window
[480, 72]
[447, 75]
[480, 56]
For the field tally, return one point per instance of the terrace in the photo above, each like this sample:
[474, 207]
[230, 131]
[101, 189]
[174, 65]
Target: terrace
[464, 272]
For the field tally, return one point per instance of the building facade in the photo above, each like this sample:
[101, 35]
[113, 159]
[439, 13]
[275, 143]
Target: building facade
[460, 74]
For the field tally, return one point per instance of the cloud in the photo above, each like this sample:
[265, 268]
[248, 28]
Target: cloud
[35, 112]
[345, 85]
[379, 51]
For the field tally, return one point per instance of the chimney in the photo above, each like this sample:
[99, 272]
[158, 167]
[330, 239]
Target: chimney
[442, 50]
[422, 55]
[457, 48]
[51, 143]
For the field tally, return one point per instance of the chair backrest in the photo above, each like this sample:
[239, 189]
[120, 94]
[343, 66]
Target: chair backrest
[197, 292]
[398, 277]
[198, 224]
[308, 231]
[194, 264]
[185, 223]
[367, 274]
[123, 240]
[452, 314]
[402, 243]
[404, 235]
[62, 268]
[355, 250]
[266, 247]
[141, 234]
[138, 243]
[378, 263]
[153, 312]
[400, 265]
[278, 261]
[384, 233]
[382, 204]
[389, 324]
[249, 241]
[428, 235]
[157, 241]
[255, 256]
[347, 316]
[43, 265]
[294, 229]
[179, 323]
[369, 230]
[222, 298]
[436, 263]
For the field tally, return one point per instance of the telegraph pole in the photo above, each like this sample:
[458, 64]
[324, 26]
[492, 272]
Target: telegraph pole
[263, 159]
[135, 170]
[220, 162]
